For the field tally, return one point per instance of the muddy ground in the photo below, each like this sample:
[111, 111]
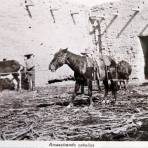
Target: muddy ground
[43, 115]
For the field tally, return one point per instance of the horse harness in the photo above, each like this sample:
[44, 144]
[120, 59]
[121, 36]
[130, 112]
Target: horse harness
[107, 69]
[30, 69]
[93, 68]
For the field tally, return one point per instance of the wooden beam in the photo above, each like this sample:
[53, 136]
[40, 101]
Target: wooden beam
[136, 9]
[27, 6]
[72, 16]
[52, 13]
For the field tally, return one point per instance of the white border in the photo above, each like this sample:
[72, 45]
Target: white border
[74, 144]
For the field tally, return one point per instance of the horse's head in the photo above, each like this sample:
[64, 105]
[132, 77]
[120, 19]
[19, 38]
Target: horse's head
[58, 60]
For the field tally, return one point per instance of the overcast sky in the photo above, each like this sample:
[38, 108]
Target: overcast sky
[89, 2]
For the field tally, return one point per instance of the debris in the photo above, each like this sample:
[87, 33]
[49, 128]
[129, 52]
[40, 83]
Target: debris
[45, 116]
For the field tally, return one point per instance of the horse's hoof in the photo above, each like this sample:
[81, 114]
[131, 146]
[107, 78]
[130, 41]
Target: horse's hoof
[19, 90]
[70, 105]
[82, 95]
[85, 109]
[91, 106]
[104, 102]
[113, 102]
[76, 110]
[100, 90]
[107, 101]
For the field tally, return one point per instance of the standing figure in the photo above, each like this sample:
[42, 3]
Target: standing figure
[30, 70]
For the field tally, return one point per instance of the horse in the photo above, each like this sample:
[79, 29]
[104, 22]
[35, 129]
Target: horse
[11, 67]
[83, 68]
[6, 83]
[95, 75]
[124, 70]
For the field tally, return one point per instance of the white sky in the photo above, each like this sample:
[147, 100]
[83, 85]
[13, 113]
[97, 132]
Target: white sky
[89, 3]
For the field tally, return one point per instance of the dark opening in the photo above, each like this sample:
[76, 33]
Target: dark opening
[144, 44]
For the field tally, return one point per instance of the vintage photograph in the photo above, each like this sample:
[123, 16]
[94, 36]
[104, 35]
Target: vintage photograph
[74, 70]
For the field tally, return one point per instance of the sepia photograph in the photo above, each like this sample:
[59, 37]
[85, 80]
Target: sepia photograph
[74, 70]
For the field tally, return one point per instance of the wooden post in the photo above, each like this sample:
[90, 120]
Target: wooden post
[97, 31]
[72, 16]
[27, 5]
[52, 14]
[99, 36]
[92, 22]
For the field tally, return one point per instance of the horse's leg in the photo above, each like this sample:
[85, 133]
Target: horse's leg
[77, 87]
[98, 84]
[89, 82]
[126, 84]
[98, 81]
[20, 80]
[82, 88]
[16, 77]
[120, 84]
[106, 87]
[114, 90]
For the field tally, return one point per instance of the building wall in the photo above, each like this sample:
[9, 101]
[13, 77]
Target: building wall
[119, 33]
[20, 34]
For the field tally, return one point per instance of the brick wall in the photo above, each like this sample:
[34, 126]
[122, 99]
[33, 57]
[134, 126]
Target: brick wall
[120, 32]
[20, 34]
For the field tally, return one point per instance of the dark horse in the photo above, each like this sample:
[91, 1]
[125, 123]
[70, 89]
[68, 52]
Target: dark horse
[11, 67]
[124, 70]
[83, 71]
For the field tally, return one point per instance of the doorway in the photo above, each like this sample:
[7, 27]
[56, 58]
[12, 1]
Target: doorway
[144, 44]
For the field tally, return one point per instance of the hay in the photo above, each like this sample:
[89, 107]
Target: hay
[42, 115]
